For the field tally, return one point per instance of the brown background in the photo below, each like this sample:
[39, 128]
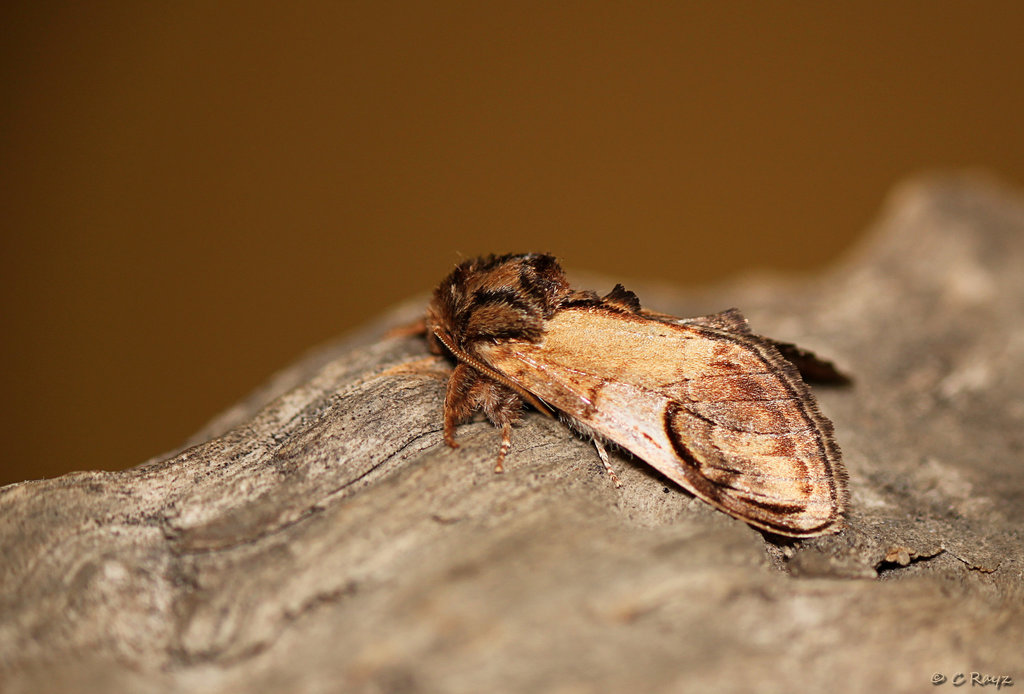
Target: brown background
[195, 193]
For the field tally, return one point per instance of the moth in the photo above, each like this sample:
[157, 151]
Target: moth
[717, 409]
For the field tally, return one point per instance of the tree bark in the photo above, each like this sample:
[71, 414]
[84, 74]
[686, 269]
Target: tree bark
[320, 537]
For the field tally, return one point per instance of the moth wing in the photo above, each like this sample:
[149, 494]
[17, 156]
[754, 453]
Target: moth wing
[731, 319]
[721, 413]
[811, 367]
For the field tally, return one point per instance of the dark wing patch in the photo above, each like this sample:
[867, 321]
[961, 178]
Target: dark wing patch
[622, 299]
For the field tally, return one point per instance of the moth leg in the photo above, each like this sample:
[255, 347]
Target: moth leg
[506, 444]
[431, 367]
[409, 329]
[502, 405]
[469, 391]
[459, 403]
[607, 465]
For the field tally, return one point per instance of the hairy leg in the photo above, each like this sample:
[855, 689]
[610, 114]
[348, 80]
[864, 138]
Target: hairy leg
[469, 391]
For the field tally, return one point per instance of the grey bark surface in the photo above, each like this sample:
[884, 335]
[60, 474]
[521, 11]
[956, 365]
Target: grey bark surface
[319, 537]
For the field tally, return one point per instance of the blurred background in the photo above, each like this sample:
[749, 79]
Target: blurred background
[195, 193]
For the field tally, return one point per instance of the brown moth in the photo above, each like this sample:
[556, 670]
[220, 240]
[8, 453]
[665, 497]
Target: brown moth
[717, 409]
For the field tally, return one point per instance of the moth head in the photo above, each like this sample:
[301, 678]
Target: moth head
[495, 298]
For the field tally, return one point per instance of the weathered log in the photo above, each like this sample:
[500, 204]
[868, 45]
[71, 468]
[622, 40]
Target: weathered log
[320, 537]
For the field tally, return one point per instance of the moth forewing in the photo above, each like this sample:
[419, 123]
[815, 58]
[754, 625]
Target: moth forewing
[714, 411]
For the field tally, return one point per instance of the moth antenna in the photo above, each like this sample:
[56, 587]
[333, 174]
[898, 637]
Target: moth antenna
[471, 361]
[607, 465]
